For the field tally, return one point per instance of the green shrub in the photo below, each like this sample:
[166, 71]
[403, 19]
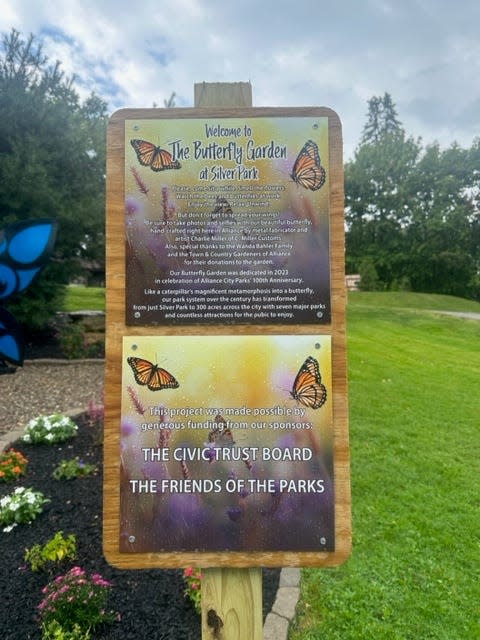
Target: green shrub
[76, 598]
[55, 551]
[12, 465]
[73, 468]
[72, 340]
[54, 631]
[49, 429]
[20, 507]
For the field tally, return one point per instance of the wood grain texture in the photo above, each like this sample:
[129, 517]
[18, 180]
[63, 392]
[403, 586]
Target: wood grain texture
[236, 599]
[116, 329]
[222, 94]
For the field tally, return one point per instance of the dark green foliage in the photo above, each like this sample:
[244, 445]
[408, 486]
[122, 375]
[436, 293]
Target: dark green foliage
[413, 213]
[52, 165]
[369, 276]
[381, 119]
[34, 307]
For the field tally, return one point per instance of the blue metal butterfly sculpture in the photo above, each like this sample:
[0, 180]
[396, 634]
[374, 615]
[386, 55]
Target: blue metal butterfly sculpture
[25, 248]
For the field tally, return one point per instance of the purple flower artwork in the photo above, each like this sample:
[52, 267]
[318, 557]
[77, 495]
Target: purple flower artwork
[250, 468]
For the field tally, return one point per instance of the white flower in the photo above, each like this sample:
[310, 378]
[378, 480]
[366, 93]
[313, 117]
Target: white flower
[49, 436]
[26, 438]
[10, 527]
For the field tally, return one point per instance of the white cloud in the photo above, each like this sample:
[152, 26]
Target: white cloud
[425, 54]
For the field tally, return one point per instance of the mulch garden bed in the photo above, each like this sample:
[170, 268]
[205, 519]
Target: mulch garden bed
[151, 603]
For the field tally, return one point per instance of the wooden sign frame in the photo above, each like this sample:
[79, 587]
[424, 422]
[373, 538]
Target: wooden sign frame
[117, 329]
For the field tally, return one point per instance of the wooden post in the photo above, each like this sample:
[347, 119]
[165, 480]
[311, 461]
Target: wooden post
[231, 598]
[223, 94]
[232, 604]
[146, 196]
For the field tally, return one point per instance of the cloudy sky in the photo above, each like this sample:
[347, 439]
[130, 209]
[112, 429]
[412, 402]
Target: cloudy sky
[425, 53]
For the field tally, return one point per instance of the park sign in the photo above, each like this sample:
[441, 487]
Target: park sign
[226, 437]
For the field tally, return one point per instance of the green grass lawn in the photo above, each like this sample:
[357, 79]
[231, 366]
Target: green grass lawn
[415, 466]
[79, 298]
[414, 379]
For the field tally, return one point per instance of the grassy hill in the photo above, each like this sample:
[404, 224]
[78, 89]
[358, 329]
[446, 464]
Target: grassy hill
[415, 467]
[79, 298]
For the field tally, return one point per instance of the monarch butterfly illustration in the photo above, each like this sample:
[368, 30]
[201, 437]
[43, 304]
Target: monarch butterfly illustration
[151, 375]
[154, 157]
[307, 170]
[221, 434]
[222, 211]
[307, 386]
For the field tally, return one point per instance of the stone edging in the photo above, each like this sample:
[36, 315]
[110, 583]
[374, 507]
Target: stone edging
[278, 620]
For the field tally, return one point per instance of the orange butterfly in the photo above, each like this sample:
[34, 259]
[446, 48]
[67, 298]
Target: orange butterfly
[151, 156]
[151, 375]
[307, 169]
[221, 434]
[307, 387]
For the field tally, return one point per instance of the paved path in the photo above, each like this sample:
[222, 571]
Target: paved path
[470, 315]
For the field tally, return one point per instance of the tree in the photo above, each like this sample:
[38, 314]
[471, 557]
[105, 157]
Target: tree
[412, 213]
[377, 183]
[382, 119]
[52, 165]
[443, 217]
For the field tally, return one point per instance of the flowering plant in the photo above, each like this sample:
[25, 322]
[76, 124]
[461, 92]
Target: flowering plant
[54, 631]
[12, 465]
[54, 551]
[95, 416]
[192, 578]
[73, 468]
[76, 598]
[49, 429]
[20, 507]
[95, 413]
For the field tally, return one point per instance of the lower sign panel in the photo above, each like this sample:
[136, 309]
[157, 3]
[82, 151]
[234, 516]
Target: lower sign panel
[227, 444]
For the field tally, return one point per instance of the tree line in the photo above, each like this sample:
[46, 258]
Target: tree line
[412, 212]
[52, 165]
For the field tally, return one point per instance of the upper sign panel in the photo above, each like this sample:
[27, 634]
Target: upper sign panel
[227, 221]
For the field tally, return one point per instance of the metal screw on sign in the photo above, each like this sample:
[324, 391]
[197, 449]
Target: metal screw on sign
[131, 539]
